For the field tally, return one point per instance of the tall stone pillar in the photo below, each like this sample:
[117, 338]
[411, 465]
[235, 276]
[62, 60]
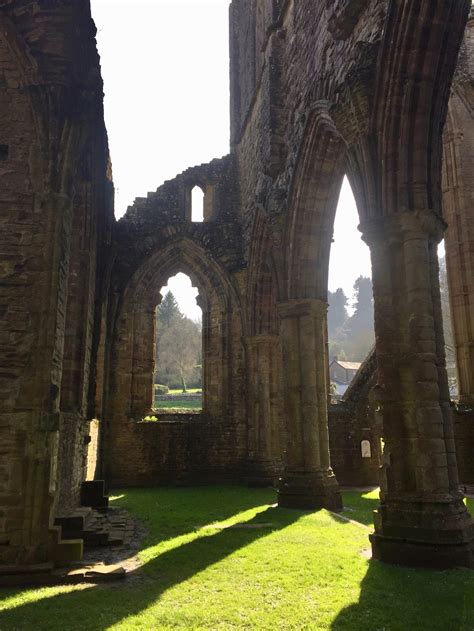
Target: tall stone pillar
[143, 360]
[422, 519]
[263, 363]
[458, 211]
[308, 481]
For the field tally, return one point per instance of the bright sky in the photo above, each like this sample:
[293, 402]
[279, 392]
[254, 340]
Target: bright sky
[350, 256]
[165, 66]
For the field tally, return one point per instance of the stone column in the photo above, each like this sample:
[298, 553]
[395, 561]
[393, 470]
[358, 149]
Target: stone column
[143, 360]
[201, 302]
[264, 409]
[458, 211]
[421, 519]
[308, 481]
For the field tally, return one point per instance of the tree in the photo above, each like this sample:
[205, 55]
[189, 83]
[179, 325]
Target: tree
[351, 337]
[168, 310]
[337, 313]
[179, 352]
[178, 345]
[362, 320]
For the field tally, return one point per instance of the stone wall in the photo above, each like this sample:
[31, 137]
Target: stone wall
[464, 437]
[54, 212]
[190, 449]
[155, 240]
[352, 420]
[348, 427]
[175, 450]
[355, 419]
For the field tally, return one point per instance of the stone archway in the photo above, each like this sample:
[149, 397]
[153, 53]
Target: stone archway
[131, 369]
[308, 480]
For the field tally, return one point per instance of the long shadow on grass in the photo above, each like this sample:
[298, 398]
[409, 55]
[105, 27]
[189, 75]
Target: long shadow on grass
[170, 512]
[98, 608]
[397, 599]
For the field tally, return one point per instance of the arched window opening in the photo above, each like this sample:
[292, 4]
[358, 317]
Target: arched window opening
[365, 449]
[449, 343]
[178, 349]
[351, 312]
[197, 204]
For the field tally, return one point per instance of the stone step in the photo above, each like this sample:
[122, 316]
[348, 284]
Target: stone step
[25, 575]
[44, 574]
[93, 538]
[63, 552]
[107, 528]
[116, 537]
[98, 573]
[93, 494]
[72, 526]
[39, 568]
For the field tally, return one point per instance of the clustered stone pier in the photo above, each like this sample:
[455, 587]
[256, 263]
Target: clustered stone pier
[380, 91]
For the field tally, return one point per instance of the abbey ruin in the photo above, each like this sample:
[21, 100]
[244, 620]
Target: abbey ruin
[378, 90]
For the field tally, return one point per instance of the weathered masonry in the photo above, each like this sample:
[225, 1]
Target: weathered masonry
[378, 90]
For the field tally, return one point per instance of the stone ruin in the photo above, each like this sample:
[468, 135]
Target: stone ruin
[378, 90]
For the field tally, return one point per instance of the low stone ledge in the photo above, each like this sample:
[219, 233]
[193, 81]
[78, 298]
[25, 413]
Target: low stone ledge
[194, 418]
[178, 397]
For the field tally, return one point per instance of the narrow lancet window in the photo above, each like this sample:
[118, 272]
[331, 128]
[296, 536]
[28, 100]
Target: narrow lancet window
[351, 313]
[197, 204]
[178, 349]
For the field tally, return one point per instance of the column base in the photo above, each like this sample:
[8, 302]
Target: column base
[415, 554]
[309, 491]
[432, 534]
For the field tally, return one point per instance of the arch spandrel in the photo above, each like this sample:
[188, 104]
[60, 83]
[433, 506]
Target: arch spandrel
[265, 280]
[182, 255]
[313, 201]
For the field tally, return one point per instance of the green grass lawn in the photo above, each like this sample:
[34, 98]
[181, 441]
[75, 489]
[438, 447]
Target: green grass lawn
[360, 506]
[189, 391]
[178, 404]
[226, 558]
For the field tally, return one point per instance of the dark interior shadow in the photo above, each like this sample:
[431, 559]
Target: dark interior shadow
[129, 597]
[401, 599]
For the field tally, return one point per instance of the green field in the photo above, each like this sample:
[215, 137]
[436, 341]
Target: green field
[178, 404]
[189, 391]
[226, 558]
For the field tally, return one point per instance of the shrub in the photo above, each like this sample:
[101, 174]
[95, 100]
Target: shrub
[161, 389]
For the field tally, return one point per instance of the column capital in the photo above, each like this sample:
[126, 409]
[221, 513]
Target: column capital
[403, 226]
[298, 307]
